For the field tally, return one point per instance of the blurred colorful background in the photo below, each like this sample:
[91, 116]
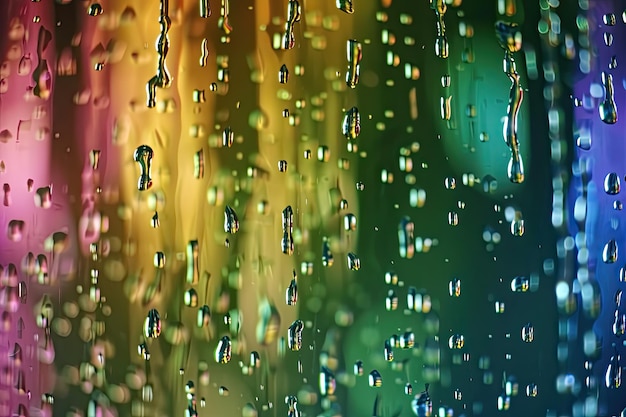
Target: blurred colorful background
[311, 208]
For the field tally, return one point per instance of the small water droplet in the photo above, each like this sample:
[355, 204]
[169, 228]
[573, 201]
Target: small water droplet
[610, 252]
[223, 351]
[611, 183]
[95, 9]
[528, 333]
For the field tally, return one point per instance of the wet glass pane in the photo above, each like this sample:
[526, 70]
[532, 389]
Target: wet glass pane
[311, 208]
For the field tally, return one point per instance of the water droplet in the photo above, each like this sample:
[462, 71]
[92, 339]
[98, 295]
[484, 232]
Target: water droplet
[388, 351]
[345, 6]
[456, 341]
[422, 405]
[228, 137]
[203, 317]
[287, 242]
[608, 108]
[283, 74]
[458, 395]
[205, 9]
[255, 359]
[520, 284]
[406, 241]
[611, 183]
[354, 263]
[351, 126]
[15, 230]
[608, 38]
[327, 382]
[609, 19]
[453, 218]
[454, 287]
[223, 350]
[191, 298]
[391, 278]
[619, 324]
[610, 252]
[293, 16]
[95, 9]
[231, 221]
[391, 301]
[450, 183]
[407, 340]
[152, 324]
[509, 36]
[143, 156]
[358, 368]
[327, 255]
[291, 295]
[143, 351]
[375, 379]
[349, 222]
[294, 335]
[613, 376]
[528, 333]
[517, 227]
[354, 56]
[25, 66]
[154, 222]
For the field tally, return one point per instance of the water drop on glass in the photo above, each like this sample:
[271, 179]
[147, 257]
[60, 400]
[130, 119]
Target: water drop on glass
[375, 379]
[611, 183]
[152, 324]
[358, 368]
[95, 9]
[223, 350]
[231, 221]
[520, 284]
[528, 333]
[354, 263]
[456, 341]
[610, 252]
[454, 287]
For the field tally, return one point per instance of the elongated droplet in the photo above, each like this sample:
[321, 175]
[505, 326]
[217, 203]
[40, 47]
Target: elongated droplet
[610, 252]
[354, 263]
[327, 382]
[613, 376]
[422, 405]
[608, 108]
[143, 156]
[345, 6]
[152, 324]
[283, 74]
[354, 54]
[351, 126]
[327, 255]
[291, 295]
[293, 16]
[294, 335]
[204, 51]
[224, 350]
[454, 287]
[406, 241]
[619, 324]
[231, 221]
[205, 9]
